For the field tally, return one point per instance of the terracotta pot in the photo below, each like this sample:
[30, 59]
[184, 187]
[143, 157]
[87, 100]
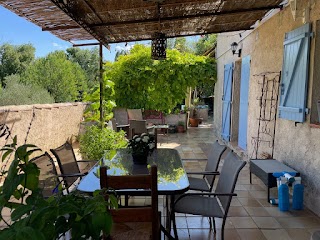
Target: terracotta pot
[194, 122]
[180, 129]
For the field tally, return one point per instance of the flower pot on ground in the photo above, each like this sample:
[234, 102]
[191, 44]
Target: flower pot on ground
[194, 122]
[180, 127]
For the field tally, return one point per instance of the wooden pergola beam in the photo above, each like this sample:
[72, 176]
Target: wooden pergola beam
[155, 20]
[163, 19]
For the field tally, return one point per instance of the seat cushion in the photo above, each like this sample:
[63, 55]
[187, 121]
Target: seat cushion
[199, 184]
[199, 205]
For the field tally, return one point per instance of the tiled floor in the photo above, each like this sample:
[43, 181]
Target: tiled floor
[250, 215]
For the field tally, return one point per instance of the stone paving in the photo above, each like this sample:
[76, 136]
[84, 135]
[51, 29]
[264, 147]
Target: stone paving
[250, 216]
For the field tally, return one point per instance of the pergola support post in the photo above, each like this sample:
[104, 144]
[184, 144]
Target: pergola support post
[101, 85]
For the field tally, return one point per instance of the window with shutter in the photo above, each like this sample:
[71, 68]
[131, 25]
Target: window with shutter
[295, 74]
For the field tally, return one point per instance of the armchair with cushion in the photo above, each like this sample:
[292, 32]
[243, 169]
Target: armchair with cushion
[212, 205]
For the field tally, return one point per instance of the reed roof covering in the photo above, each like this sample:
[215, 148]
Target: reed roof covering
[112, 21]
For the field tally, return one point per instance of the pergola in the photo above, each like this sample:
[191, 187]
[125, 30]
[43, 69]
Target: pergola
[114, 21]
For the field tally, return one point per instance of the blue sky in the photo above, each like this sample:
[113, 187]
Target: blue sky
[16, 30]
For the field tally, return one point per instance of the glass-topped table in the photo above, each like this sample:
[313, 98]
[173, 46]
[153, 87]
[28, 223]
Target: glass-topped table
[172, 178]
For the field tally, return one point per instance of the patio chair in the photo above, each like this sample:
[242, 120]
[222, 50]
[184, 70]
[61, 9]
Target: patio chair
[121, 116]
[212, 205]
[48, 179]
[135, 114]
[140, 126]
[205, 183]
[68, 164]
[130, 223]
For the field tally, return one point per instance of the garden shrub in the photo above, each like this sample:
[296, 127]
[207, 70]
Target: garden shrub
[17, 93]
[95, 141]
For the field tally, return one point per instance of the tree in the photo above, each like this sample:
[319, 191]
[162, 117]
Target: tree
[89, 61]
[63, 79]
[15, 59]
[205, 43]
[160, 85]
[17, 93]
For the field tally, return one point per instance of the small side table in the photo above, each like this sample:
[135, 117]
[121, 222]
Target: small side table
[162, 127]
[264, 169]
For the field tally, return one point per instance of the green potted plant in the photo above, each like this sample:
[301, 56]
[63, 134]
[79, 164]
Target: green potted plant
[141, 146]
[181, 127]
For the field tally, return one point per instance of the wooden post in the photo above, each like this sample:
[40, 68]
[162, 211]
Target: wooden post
[101, 85]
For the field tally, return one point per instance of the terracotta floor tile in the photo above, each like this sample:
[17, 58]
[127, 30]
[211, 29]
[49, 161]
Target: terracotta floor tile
[266, 222]
[243, 194]
[299, 234]
[243, 222]
[251, 234]
[276, 234]
[299, 222]
[257, 211]
[249, 202]
[237, 212]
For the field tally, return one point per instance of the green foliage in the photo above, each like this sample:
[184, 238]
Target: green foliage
[89, 61]
[92, 113]
[33, 217]
[63, 79]
[17, 93]
[15, 59]
[95, 141]
[160, 85]
[205, 43]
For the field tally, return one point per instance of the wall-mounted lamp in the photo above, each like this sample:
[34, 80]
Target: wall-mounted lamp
[234, 47]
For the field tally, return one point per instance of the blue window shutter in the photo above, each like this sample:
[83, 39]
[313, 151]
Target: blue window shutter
[244, 102]
[295, 74]
[226, 101]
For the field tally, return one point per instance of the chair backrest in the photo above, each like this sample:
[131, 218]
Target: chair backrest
[67, 162]
[136, 214]
[228, 178]
[121, 116]
[135, 114]
[138, 127]
[214, 158]
[48, 180]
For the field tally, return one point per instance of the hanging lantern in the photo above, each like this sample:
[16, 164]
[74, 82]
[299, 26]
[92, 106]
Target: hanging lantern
[158, 46]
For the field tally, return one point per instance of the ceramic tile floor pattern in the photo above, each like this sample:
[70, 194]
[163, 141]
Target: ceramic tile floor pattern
[250, 216]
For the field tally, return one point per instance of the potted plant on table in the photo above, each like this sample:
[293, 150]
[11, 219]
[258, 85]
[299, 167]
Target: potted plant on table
[141, 146]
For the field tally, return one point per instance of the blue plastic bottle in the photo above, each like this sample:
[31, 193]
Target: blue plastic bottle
[283, 193]
[297, 202]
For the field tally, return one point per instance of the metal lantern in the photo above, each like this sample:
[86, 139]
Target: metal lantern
[158, 46]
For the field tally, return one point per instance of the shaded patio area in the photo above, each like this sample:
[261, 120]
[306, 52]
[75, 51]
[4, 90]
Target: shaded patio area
[250, 215]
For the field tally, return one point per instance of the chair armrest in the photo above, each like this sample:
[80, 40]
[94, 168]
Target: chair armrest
[204, 173]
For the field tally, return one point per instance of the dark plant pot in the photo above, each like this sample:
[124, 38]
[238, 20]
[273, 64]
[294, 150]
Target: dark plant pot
[180, 129]
[194, 122]
[140, 158]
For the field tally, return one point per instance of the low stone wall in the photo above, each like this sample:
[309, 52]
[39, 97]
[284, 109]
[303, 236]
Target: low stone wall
[45, 125]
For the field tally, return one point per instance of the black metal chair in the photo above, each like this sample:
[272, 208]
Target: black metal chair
[205, 184]
[68, 164]
[48, 178]
[212, 205]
